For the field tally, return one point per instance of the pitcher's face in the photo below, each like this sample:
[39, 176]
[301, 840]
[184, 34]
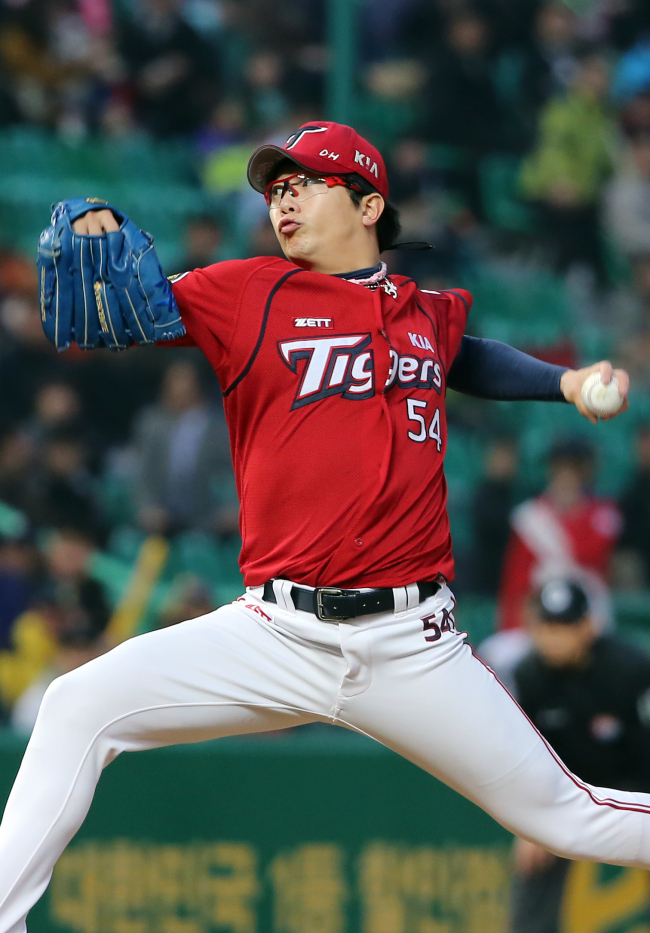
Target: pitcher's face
[315, 223]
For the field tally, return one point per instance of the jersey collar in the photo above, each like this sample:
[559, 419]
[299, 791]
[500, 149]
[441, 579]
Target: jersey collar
[372, 276]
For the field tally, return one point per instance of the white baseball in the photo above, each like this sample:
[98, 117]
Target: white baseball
[601, 398]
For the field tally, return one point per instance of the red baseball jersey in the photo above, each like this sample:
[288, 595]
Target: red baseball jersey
[334, 397]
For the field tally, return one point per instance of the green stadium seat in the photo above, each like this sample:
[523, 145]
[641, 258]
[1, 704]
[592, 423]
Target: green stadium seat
[214, 561]
[13, 523]
[124, 542]
[525, 307]
[115, 497]
[475, 615]
[633, 615]
[542, 424]
[463, 470]
[448, 157]
[112, 572]
[155, 183]
[503, 208]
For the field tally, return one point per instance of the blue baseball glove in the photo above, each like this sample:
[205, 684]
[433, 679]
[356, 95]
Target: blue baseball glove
[104, 290]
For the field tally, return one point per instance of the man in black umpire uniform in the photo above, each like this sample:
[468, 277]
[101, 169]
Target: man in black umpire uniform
[589, 696]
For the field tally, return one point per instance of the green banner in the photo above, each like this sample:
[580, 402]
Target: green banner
[319, 832]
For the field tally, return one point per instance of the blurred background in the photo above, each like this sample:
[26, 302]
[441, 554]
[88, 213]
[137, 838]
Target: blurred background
[517, 135]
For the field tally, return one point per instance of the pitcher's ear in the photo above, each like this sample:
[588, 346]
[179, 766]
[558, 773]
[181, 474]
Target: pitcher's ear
[372, 207]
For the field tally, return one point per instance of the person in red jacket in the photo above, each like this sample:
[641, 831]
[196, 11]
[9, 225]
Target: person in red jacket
[334, 377]
[565, 530]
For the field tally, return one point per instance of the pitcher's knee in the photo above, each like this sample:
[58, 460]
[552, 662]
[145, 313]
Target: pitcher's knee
[567, 841]
[70, 703]
[567, 828]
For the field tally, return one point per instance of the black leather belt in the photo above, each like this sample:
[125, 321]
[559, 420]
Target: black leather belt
[331, 604]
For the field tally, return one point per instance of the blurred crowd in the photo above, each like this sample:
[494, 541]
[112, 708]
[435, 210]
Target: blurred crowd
[517, 135]
[443, 87]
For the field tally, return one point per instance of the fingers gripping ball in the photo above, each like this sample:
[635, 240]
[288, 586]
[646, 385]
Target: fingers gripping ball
[601, 398]
[106, 290]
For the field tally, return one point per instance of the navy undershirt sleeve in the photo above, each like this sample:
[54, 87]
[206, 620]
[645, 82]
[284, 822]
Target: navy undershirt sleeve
[493, 370]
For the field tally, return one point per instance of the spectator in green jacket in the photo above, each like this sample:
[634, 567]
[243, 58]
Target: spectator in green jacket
[566, 172]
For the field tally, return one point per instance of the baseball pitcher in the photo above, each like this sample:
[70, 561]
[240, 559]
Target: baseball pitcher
[334, 377]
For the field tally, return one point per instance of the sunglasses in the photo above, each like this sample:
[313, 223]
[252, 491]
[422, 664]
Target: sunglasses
[302, 187]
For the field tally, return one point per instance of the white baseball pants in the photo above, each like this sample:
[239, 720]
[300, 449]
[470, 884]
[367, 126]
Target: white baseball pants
[255, 666]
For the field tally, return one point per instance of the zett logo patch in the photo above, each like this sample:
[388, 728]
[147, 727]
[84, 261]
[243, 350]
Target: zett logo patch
[312, 322]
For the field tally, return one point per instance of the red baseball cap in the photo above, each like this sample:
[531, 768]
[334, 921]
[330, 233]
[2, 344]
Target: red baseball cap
[326, 148]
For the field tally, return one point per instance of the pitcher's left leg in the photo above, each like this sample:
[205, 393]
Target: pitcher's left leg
[432, 701]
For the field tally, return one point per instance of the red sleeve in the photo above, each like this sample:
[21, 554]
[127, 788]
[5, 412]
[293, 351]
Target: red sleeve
[208, 300]
[223, 307]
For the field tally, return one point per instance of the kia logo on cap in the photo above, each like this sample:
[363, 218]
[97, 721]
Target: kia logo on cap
[330, 148]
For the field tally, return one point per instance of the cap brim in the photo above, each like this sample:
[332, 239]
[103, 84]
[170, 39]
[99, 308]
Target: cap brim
[265, 160]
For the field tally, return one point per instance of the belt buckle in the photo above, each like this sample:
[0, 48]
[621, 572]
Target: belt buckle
[328, 591]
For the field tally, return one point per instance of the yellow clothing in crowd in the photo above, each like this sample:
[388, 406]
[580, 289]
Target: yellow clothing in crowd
[34, 650]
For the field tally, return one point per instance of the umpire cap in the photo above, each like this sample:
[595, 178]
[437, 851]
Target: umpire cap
[562, 601]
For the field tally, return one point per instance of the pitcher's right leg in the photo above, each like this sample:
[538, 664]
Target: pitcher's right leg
[227, 673]
[432, 701]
